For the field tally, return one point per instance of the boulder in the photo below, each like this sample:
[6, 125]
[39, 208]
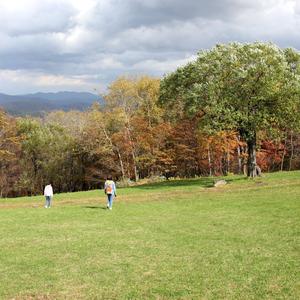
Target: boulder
[220, 183]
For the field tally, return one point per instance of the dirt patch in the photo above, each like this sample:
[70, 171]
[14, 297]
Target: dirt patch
[35, 297]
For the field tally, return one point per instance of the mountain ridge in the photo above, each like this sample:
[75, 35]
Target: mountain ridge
[42, 102]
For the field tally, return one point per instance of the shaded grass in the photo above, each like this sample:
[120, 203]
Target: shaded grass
[172, 240]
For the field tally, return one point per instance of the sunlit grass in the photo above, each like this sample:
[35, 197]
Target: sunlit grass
[170, 240]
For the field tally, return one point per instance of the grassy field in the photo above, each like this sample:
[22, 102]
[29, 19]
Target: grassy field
[173, 240]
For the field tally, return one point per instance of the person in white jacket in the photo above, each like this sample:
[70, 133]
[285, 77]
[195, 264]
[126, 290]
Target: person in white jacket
[48, 193]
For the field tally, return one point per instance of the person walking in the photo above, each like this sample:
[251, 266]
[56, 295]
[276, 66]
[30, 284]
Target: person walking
[110, 190]
[48, 193]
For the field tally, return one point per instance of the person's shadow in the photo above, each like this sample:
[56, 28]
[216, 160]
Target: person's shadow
[95, 207]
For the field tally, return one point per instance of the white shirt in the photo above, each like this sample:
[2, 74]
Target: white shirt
[48, 190]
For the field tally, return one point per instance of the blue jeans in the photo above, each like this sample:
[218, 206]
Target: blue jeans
[48, 201]
[110, 199]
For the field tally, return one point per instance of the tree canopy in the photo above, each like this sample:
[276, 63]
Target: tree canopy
[240, 87]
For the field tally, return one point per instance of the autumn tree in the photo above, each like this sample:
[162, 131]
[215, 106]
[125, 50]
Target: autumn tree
[9, 154]
[99, 142]
[133, 104]
[46, 156]
[77, 156]
[240, 87]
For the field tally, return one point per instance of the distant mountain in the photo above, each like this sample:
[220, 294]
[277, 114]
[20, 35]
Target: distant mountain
[39, 103]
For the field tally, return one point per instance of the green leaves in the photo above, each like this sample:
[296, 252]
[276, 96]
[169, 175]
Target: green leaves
[246, 87]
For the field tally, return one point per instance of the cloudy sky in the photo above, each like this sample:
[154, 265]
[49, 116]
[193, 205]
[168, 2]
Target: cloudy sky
[83, 45]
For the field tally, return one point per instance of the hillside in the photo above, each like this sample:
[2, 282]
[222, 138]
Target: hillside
[39, 103]
[180, 239]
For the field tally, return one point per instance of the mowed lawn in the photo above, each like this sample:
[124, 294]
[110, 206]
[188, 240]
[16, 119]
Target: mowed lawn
[172, 240]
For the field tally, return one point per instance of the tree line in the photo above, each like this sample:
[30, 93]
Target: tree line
[236, 107]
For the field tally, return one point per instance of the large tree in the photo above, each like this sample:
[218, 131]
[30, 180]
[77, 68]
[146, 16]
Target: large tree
[241, 87]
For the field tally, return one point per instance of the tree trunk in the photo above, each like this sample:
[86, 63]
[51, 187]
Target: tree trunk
[117, 150]
[121, 163]
[239, 156]
[251, 163]
[283, 155]
[209, 160]
[292, 152]
[228, 159]
[136, 174]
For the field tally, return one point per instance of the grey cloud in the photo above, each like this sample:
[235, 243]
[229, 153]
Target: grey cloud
[113, 37]
[118, 14]
[43, 17]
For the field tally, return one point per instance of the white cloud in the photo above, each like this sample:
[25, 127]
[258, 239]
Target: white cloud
[33, 81]
[160, 67]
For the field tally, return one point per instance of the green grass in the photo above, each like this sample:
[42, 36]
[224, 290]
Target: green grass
[172, 240]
